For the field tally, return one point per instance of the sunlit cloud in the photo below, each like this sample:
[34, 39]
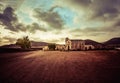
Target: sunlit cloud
[53, 20]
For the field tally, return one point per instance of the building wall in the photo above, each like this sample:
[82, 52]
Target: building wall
[74, 44]
[89, 47]
[45, 48]
[68, 45]
[77, 45]
[60, 47]
[80, 45]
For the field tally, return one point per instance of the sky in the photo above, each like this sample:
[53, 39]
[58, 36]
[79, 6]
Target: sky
[54, 20]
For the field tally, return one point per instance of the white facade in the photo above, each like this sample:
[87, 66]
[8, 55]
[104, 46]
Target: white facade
[89, 47]
[74, 44]
[68, 44]
[60, 47]
[45, 48]
[77, 45]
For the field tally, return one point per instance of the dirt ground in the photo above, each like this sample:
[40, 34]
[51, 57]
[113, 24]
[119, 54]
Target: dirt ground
[60, 67]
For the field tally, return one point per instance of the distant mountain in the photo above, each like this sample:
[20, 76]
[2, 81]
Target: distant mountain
[9, 46]
[113, 41]
[34, 45]
[39, 43]
[91, 42]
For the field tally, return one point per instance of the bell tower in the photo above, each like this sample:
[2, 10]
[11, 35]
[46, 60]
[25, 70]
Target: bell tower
[67, 43]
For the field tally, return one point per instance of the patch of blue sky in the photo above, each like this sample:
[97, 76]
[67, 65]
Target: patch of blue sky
[66, 14]
[43, 4]
[30, 5]
[25, 18]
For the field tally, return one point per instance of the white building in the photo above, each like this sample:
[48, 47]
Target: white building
[60, 47]
[77, 44]
[89, 47]
[74, 44]
[45, 48]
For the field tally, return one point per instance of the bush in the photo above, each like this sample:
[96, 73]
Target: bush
[51, 46]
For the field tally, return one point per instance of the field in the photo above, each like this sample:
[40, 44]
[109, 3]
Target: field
[60, 67]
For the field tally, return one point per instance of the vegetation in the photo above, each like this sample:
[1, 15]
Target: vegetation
[24, 43]
[51, 46]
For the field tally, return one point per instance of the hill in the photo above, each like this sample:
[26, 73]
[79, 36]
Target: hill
[9, 46]
[113, 41]
[91, 42]
[39, 43]
[34, 44]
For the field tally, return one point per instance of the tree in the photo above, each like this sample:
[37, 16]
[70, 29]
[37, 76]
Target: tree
[24, 42]
[52, 46]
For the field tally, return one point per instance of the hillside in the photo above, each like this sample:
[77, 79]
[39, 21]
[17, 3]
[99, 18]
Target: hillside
[34, 44]
[9, 46]
[113, 41]
[39, 43]
[91, 42]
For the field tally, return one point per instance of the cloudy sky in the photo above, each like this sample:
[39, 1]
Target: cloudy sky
[53, 20]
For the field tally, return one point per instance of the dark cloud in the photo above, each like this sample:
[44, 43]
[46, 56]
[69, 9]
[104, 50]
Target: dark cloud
[81, 2]
[108, 9]
[100, 10]
[20, 27]
[52, 18]
[117, 23]
[10, 21]
[106, 13]
[34, 27]
[95, 31]
[8, 17]
[12, 3]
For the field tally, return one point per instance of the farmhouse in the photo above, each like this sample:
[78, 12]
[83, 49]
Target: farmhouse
[45, 48]
[60, 47]
[78, 44]
[74, 44]
[89, 47]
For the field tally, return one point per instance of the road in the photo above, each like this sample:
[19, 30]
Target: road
[60, 67]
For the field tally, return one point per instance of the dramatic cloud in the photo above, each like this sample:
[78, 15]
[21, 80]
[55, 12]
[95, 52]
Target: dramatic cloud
[52, 18]
[80, 2]
[7, 18]
[34, 27]
[94, 8]
[106, 8]
[12, 3]
[117, 23]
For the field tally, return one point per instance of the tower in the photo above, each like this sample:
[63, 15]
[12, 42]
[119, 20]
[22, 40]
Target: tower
[68, 43]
